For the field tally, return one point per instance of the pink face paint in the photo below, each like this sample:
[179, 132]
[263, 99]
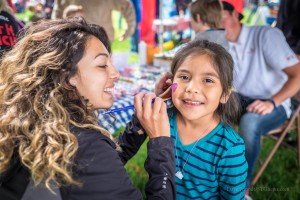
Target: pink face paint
[174, 87]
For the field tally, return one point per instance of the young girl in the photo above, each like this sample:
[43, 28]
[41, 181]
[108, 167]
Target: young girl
[210, 156]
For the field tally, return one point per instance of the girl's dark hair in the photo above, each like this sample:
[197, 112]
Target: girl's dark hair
[223, 64]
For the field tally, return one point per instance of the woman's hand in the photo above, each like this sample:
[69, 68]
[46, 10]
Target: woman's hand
[152, 115]
[163, 86]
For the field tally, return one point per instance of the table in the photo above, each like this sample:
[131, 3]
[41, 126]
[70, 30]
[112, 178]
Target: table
[133, 79]
[116, 121]
[175, 23]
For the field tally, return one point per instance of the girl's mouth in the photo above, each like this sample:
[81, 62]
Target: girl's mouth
[193, 103]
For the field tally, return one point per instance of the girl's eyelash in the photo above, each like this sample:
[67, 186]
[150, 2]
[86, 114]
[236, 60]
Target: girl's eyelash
[207, 80]
[102, 66]
[183, 77]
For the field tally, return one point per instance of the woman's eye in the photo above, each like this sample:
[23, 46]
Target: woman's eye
[103, 66]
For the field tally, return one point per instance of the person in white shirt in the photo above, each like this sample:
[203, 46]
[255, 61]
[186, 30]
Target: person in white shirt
[267, 74]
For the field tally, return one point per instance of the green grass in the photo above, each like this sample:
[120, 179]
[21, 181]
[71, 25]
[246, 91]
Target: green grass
[135, 168]
[282, 173]
[281, 178]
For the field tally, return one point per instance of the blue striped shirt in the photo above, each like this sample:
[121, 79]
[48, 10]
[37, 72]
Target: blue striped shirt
[216, 167]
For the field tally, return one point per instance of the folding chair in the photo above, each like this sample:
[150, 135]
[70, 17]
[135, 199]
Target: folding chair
[290, 124]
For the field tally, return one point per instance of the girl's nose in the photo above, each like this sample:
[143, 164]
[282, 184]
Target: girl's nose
[192, 87]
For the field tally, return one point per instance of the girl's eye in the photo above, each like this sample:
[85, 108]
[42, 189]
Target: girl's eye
[183, 77]
[207, 80]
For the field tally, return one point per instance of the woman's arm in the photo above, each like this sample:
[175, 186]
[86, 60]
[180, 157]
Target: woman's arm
[131, 139]
[160, 165]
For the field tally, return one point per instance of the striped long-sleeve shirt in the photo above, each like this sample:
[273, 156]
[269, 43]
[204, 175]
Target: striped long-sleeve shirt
[216, 167]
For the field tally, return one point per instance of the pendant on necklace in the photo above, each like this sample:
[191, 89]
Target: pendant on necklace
[179, 175]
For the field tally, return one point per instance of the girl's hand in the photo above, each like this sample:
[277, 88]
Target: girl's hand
[152, 116]
[163, 86]
[260, 107]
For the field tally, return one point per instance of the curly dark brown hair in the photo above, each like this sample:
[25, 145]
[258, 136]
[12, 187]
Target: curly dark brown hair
[38, 105]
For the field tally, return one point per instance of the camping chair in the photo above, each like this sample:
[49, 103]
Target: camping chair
[292, 123]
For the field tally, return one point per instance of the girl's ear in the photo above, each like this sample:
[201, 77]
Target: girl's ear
[225, 97]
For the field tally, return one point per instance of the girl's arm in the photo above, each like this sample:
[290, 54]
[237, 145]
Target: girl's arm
[232, 170]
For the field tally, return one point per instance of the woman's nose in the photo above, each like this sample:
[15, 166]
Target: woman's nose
[114, 73]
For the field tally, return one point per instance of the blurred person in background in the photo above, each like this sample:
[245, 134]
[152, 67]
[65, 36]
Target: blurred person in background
[73, 11]
[288, 20]
[48, 7]
[9, 27]
[100, 12]
[267, 75]
[206, 18]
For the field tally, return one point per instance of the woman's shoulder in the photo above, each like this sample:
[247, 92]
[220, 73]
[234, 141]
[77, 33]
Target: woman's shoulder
[93, 147]
[87, 136]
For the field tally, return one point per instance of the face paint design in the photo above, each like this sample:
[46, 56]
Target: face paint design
[174, 86]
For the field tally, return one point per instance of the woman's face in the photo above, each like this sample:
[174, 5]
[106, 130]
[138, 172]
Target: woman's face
[96, 75]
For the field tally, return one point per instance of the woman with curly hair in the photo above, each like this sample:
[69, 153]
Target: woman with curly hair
[51, 84]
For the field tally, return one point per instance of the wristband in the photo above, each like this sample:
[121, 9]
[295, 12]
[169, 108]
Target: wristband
[273, 102]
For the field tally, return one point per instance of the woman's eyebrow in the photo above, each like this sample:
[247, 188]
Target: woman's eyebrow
[101, 54]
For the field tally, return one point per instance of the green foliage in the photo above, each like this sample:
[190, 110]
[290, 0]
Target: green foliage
[135, 168]
[281, 178]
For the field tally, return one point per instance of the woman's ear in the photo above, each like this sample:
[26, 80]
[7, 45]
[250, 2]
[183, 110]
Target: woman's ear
[73, 81]
[225, 97]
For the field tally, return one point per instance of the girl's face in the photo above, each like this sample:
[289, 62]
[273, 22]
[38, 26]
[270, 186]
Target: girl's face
[199, 89]
[96, 75]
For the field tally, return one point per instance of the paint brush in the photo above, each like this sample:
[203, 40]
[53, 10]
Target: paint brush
[127, 108]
